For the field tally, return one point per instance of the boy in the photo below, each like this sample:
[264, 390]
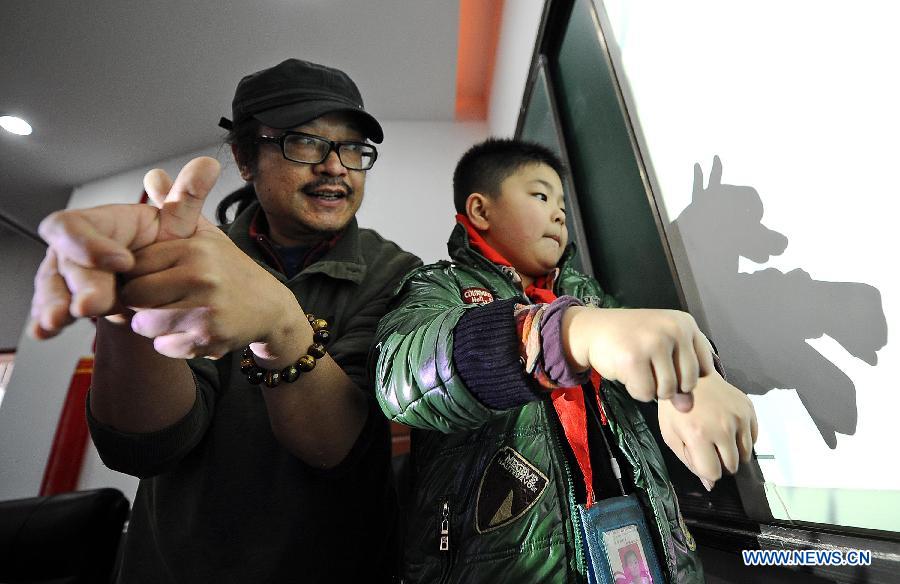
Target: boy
[511, 445]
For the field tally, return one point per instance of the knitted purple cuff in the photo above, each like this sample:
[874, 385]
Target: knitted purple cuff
[554, 359]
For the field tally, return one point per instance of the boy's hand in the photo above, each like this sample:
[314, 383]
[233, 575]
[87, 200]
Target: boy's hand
[655, 353]
[716, 434]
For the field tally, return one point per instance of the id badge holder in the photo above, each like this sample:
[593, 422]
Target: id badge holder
[618, 547]
[617, 543]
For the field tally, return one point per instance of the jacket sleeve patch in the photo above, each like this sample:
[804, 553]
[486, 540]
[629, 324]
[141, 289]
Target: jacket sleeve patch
[476, 296]
[594, 301]
[509, 487]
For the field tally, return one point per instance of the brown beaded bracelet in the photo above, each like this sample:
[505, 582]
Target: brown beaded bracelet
[273, 377]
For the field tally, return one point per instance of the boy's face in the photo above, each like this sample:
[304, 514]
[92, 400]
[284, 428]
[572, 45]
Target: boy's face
[526, 223]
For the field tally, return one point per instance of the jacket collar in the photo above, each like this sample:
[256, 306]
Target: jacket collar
[344, 261]
[461, 251]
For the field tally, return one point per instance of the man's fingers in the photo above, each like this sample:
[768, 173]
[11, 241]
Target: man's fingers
[167, 254]
[93, 291]
[50, 303]
[176, 346]
[157, 257]
[187, 346]
[180, 332]
[180, 212]
[160, 322]
[157, 184]
[51, 321]
[73, 235]
[160, 289]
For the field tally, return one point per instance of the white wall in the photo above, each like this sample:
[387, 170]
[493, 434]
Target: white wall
[21, 255]
[32, 404]
[127, 186]
[786, 246]
[518, 31]
[408, 200]
[409, 192]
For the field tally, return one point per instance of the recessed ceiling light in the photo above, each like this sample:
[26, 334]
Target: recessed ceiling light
[15, 125]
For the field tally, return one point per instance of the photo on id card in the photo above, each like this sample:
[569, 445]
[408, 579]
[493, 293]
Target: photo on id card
[626, 556]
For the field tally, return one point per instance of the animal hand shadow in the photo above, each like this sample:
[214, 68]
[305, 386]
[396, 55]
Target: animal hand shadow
[761, 321]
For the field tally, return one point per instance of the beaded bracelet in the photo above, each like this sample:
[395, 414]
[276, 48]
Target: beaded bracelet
[272, 377]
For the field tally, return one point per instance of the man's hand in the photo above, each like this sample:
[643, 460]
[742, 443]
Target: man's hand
[656, 354]
[88, 247]
[198, 295]
[204, 297]
[718, 432]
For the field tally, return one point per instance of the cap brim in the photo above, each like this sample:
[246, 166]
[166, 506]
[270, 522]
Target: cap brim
[296, 114]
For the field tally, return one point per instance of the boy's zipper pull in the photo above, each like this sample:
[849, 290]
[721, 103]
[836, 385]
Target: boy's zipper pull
[445, 527]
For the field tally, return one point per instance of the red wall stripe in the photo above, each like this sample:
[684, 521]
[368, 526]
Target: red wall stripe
[70, 441]
[479, 30]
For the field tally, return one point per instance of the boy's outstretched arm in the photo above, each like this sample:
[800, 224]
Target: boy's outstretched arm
[655, 353]
[442, 363]
[416, 380]
[716, 434]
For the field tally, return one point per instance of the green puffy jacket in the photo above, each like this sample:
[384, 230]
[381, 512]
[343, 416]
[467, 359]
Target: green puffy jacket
[456, 438]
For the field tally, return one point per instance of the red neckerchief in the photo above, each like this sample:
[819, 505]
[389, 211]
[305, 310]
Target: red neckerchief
[567, 401]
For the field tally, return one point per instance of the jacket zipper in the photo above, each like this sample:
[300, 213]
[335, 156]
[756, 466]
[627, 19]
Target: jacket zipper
[560, 455]
[570, 497]
[444, 530]
[444, 551]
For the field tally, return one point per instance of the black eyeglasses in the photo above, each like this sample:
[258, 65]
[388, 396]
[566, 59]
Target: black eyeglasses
[309, 149]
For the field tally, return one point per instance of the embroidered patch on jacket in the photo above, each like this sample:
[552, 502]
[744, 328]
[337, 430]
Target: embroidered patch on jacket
[477, 296]
[591, 300]
[509, 487]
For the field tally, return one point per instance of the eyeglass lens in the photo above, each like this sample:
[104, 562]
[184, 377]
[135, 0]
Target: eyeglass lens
[353, 155]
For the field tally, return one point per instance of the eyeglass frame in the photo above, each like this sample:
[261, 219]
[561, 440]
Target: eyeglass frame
[333, 146]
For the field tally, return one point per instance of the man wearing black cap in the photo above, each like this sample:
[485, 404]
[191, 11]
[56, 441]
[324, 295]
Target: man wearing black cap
[270, 463]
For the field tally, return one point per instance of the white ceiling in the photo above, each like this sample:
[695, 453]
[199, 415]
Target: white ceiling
[110, 85]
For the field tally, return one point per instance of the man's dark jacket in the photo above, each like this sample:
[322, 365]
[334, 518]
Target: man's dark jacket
[220, 500]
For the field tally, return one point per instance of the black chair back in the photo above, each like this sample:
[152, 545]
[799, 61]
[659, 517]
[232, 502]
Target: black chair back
[69, 538]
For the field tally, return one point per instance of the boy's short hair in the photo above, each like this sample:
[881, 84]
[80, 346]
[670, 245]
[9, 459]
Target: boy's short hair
[484, 167]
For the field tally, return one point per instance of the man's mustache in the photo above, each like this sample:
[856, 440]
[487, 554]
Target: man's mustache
[311, 188]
